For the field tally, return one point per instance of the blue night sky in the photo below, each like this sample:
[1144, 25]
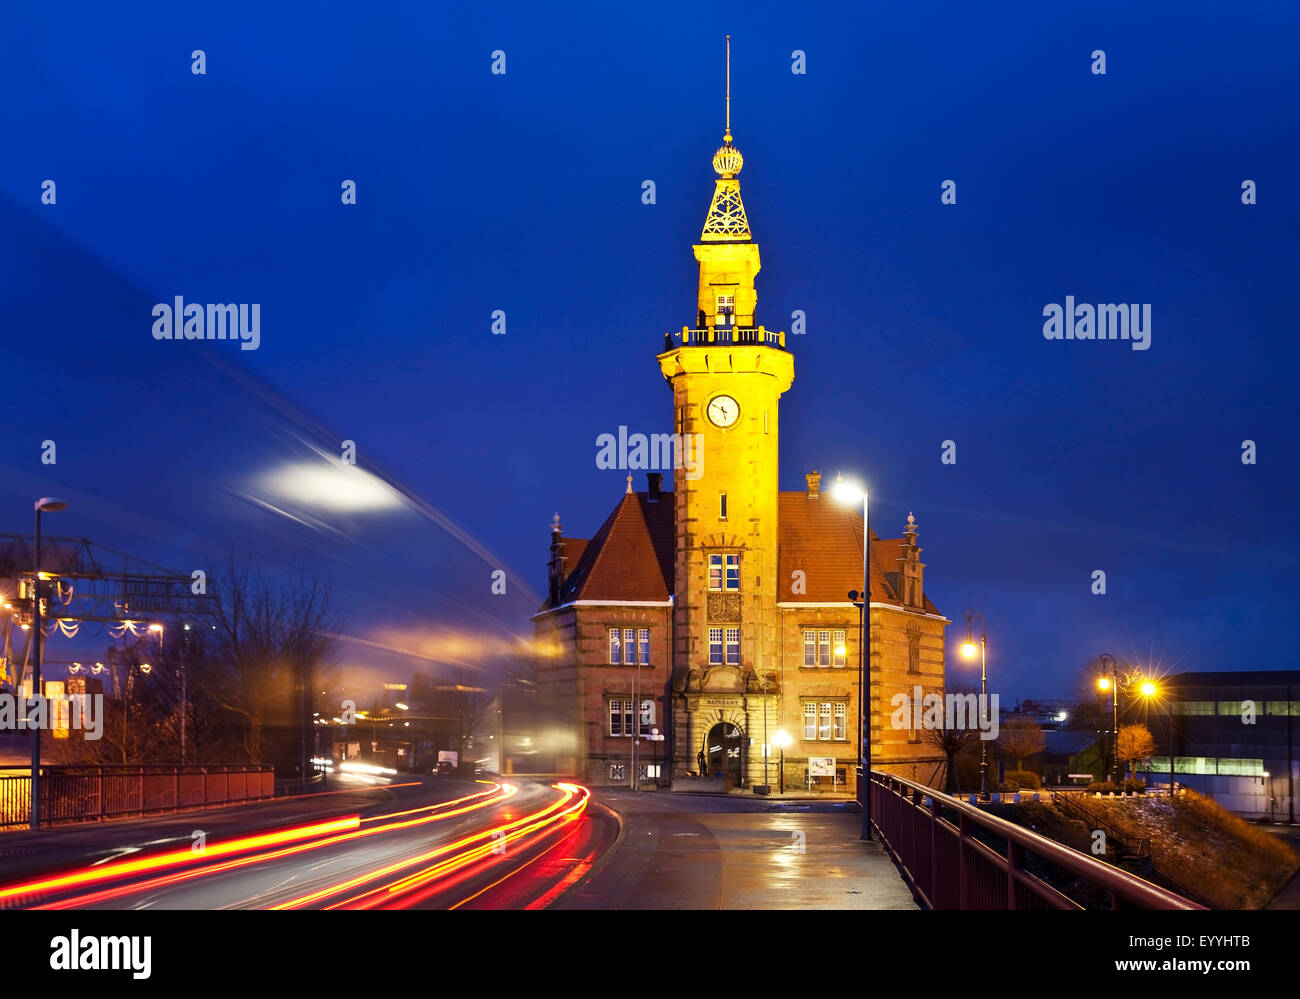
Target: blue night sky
[522, 192]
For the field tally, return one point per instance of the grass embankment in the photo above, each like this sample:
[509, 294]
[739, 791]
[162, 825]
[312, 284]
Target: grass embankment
[1232, 863]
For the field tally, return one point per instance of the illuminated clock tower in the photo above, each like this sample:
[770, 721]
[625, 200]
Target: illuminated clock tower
[727, 375]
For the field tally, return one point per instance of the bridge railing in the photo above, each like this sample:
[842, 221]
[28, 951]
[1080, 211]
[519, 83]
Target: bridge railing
[953, 855]
[92, 793]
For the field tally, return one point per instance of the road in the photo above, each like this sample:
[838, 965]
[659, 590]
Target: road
[423, 843]
[683, 851]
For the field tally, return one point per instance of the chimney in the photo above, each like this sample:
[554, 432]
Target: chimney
[654, 478]
[911, 568]
[814, 484]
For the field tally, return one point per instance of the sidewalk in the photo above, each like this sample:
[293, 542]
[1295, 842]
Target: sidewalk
[737, 851]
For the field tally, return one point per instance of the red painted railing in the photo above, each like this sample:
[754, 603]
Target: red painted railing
[91, 793]
[953, 855]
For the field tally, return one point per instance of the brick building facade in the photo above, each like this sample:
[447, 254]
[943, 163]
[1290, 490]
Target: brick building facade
[717, 614]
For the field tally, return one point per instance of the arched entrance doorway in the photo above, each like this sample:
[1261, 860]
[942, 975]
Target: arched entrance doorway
[722, 752]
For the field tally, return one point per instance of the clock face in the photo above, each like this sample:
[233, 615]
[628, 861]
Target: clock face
[723, 410]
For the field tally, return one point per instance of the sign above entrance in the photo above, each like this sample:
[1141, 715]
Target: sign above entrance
[722, 702]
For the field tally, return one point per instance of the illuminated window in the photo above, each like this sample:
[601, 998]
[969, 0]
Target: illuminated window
[726, 308]
[825, 721]
[724, 572]
[715, 646]
[615, 646]
[733, 646]
[823, 648]
[643, 642]
[810, 648]
[839, 648]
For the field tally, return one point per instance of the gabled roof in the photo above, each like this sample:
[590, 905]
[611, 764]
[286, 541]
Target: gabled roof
[631, 557]
[824, 539]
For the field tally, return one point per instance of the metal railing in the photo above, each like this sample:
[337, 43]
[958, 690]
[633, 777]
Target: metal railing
[1075, 803]
[954, 855]
[93, 793]
[754, 335]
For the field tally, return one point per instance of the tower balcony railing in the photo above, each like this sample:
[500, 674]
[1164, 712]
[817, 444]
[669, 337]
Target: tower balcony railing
[759, 336]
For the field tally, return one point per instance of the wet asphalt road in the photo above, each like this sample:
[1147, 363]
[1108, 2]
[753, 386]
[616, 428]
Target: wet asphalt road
[680, 851]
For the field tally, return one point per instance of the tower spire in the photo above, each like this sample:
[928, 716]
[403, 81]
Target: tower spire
[726, 221]
[727, 136]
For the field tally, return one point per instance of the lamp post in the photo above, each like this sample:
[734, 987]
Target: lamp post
[782, 739]
[968, 649]
[46, 504]
[850, 494]
[1111, 683]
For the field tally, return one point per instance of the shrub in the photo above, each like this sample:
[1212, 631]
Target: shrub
[1132, 784]
[1024, 780]
[1104, 787]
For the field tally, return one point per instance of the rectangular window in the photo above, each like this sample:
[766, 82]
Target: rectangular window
[643, 643]
[841, 718]
[647, 716]
[824, 722]
[823, 648]
[715, 646]
[615, 717]
[616, 771]
[615, 646]
[726, 308]
[810, 648]
[724, 572]
[733, 646]
[841, 649]
[810, 720]
[629, 646]
[722, 506]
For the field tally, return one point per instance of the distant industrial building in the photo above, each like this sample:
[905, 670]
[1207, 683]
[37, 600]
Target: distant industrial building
[1233, 738]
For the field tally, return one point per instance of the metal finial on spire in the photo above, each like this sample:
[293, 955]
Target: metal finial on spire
[728, 134]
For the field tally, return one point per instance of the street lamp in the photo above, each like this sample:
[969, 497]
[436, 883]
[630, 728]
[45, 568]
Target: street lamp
[46, 504]
[782, 739]
[851, 495]
[968, 649]
[1111, 683]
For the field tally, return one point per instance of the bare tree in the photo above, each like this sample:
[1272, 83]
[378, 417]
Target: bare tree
[1021, 738]
[269, 638]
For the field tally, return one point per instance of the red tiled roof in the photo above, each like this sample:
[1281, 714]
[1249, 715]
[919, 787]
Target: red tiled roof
[631, 556]
[824, 540]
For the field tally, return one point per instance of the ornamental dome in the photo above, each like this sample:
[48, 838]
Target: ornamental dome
[727, 161]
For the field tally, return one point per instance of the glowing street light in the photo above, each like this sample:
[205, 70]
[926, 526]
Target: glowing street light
[851, 494]
[968, 649]
[1147, 688]
[782, 739]
[46, 504]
